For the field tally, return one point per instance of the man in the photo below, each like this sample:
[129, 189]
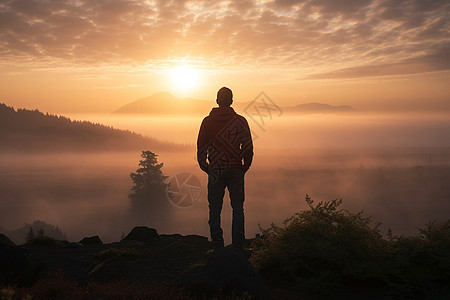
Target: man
[225, 153]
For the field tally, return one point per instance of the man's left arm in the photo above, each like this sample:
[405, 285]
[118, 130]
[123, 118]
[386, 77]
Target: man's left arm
[247, 146]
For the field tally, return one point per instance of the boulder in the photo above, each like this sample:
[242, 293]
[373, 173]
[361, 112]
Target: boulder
[142, 234]
[226, 271]
[74, 245]
[13, 259]
[108, 270]
[197, 241]
[15, 264]
[91, 241]
[5, 241]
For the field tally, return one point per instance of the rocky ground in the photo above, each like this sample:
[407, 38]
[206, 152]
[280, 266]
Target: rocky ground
[162, 259]
[143, 256]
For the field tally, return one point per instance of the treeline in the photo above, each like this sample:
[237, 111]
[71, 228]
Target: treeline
[31, 130]
[20, 235]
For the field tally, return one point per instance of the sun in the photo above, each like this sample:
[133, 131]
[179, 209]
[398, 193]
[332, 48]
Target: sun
[184, 78]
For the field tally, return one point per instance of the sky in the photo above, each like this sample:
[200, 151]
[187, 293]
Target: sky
[77, 56]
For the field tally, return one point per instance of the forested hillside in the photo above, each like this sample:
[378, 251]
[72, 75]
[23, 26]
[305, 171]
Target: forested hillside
[31, 131]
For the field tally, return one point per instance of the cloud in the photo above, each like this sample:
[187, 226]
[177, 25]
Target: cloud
[372, 36]
[437, 60]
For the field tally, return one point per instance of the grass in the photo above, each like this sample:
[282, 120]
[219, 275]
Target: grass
[62, 288]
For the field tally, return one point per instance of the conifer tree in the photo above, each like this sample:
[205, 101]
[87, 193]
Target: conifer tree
[149, 192]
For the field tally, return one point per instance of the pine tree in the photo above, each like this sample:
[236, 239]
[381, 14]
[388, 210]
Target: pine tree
[149, 192]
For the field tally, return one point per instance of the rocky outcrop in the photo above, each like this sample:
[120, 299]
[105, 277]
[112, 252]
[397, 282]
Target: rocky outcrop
[91, 241]
[16, 265]
[142, 234]
[107, 270]
[227, 270]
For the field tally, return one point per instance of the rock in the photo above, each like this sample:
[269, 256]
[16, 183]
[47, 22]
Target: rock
[194, 240]
[13, 259]
[126, 244]
[227, 270]
[15, 264]
[142, 234]
[91, 241]
[108, 270]
[74, 245]
[5, 241]
[73, 268]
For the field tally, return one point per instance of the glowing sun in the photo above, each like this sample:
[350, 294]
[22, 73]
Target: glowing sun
[184, 78]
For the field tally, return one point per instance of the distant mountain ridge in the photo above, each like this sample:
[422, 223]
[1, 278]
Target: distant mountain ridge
[25, 130]
[319, 108]
[164, 103]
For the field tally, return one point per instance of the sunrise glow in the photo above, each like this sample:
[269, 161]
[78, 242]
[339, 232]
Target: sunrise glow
[138, 127]
[373, 55]
[184, 78]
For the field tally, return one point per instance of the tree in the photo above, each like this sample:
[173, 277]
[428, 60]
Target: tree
[149, 192]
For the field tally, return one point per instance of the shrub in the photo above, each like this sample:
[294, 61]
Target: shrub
[327, 250]
[321, 249]
[419, 266]
[7, 294]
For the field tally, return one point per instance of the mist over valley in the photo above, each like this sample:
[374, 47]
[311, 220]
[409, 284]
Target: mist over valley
[394, 167]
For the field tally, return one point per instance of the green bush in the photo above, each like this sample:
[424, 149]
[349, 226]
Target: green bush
[328, 250]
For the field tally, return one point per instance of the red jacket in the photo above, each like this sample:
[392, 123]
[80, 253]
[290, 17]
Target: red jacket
[224, 141]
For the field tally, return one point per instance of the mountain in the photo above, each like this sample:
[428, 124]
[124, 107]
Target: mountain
[313, 108]
[165, 103]
[25, 130]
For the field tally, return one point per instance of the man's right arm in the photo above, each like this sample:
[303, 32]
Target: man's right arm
[202, 146]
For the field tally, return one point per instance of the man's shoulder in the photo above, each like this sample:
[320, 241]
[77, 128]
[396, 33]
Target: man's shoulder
[206, 119]
[241, 118]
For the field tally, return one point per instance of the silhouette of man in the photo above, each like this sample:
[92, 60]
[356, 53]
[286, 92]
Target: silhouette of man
[225, 153]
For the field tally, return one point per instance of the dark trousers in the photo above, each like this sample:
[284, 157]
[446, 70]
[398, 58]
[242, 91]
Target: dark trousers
[218, 180]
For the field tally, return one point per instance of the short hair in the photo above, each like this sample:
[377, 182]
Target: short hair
[224, 97]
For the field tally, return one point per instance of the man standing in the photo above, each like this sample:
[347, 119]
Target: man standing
[225, 153]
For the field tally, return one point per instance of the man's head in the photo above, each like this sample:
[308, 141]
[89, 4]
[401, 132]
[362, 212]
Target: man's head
[224, 97]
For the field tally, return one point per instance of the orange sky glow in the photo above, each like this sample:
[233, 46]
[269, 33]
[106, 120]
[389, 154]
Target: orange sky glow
[77, 56]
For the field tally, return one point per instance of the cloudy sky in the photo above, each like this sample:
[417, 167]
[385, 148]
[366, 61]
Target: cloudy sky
[96, 55]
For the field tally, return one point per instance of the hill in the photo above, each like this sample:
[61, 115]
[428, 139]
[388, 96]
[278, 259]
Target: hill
[165, 103]
[30, 131]
[318, 108]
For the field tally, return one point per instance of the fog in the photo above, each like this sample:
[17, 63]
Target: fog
[353, 130]
[394, 167]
